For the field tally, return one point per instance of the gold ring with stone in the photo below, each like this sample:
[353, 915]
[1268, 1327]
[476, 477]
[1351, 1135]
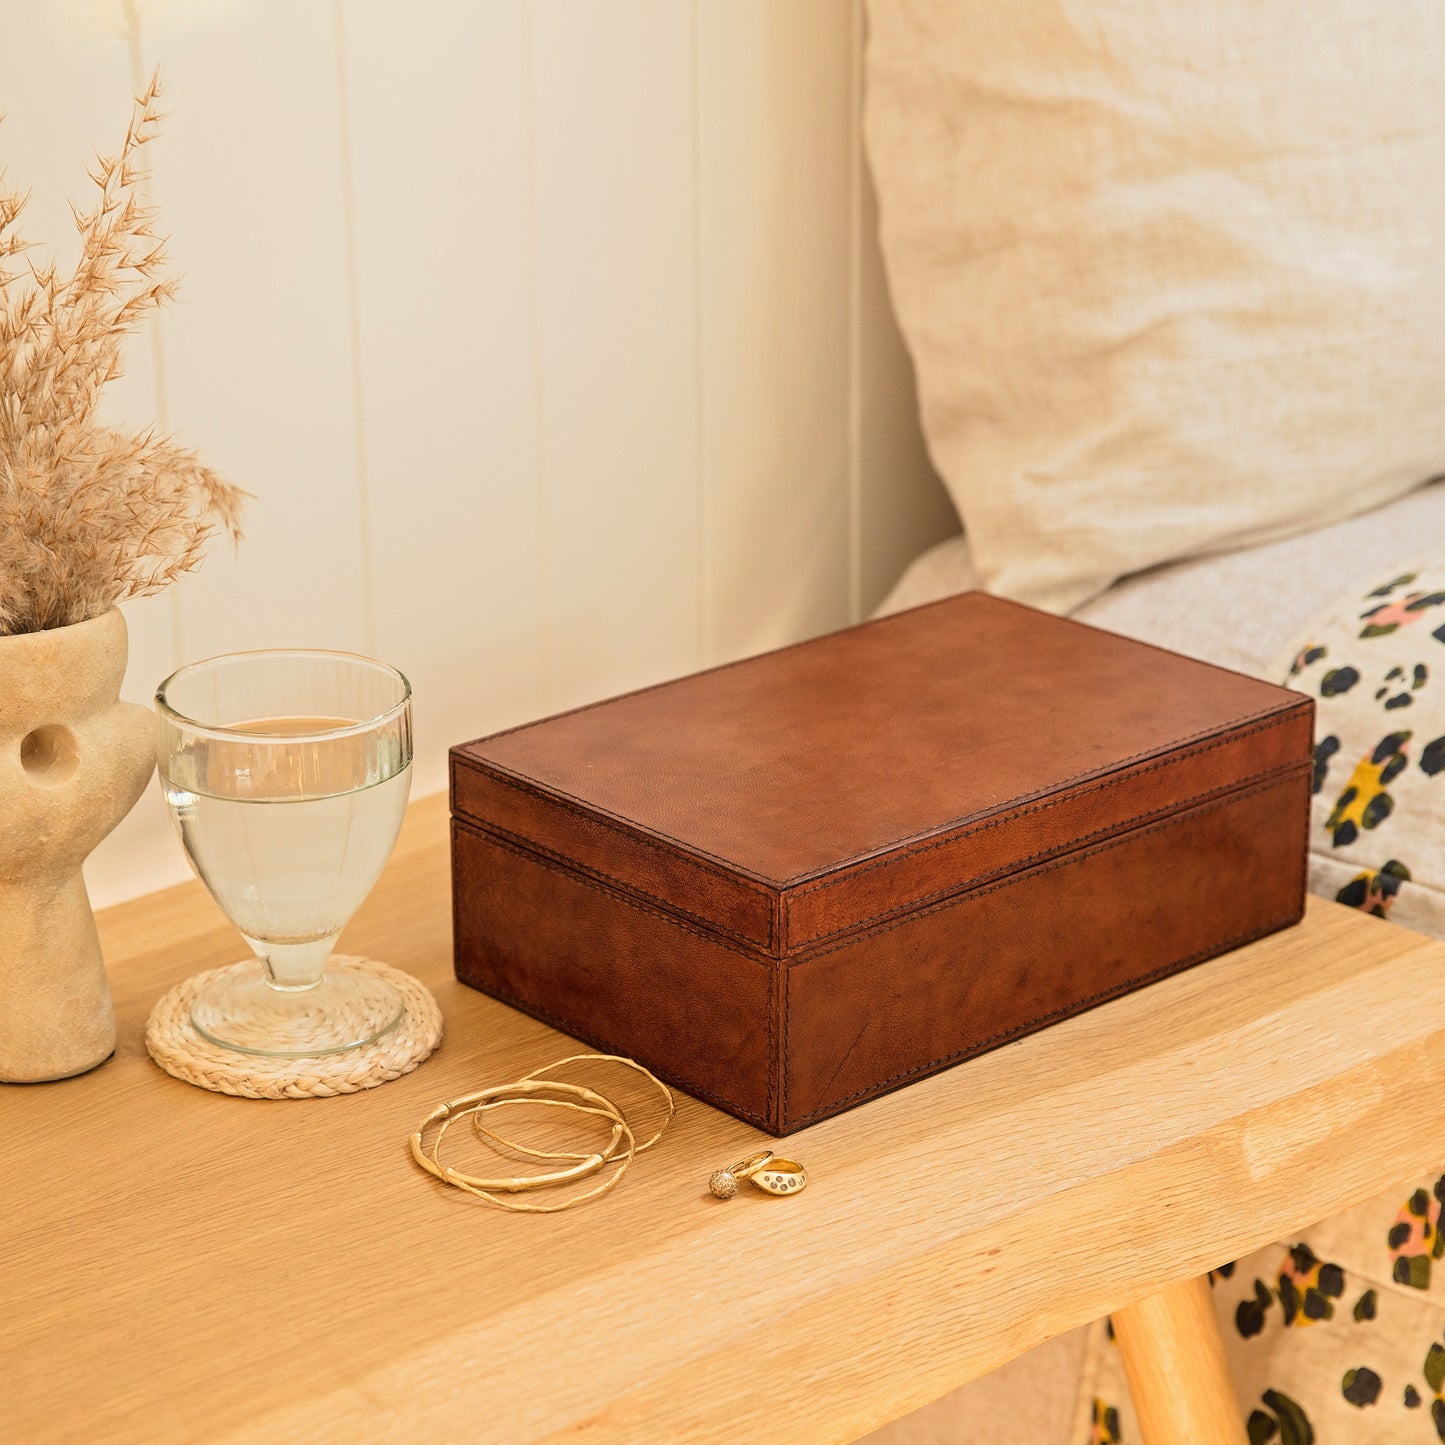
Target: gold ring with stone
[781, 1176]
[724, 1182]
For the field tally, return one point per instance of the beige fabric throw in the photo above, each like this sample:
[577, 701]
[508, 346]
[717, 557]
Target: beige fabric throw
[1171, 274]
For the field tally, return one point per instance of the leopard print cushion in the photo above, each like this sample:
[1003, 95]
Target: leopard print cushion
[1376, 669]
[1339, 1335]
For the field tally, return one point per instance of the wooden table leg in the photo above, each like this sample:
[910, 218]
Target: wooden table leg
[1174, 1358]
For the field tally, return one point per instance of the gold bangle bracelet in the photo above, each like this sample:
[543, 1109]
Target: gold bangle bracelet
[501, 1200]
[669, 1102]
[539, 1089]
[585, 1163]
[533, 1091]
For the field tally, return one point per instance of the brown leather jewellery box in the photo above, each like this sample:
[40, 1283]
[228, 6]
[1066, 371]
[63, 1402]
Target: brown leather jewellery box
[797, 882]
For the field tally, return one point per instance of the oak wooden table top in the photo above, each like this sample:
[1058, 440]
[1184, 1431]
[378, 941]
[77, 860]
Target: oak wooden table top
[178, 1265]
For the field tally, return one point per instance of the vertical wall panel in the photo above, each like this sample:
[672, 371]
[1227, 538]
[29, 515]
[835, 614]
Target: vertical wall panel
[551, 335]
[612, 116]
[64, 94]
[257, 356]
[774, 157]
[438, 150]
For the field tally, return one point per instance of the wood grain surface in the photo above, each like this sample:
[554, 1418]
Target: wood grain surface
[178, 1265]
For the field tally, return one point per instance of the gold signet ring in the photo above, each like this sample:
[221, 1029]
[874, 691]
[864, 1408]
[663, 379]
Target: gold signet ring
[724, 1182]
[781, 1176]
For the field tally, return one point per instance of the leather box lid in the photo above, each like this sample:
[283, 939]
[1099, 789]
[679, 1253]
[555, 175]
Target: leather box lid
[808, 792]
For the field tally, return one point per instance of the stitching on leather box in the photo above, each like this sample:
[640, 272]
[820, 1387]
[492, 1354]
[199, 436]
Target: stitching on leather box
[1111, 781]
[783, 1056]
[627, 828]
[527, 854]
[714, 930]
[630, 827]
[1039, 1021]
[454, 890]
[970, 894]
[573, 868]
[774, 1069]
[1168, 810]
[556, 863]
[1304, 883]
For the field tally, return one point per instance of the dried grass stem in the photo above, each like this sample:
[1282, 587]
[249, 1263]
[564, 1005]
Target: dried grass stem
[91, 515]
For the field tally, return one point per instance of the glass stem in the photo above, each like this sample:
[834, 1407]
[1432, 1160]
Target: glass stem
[293, 967]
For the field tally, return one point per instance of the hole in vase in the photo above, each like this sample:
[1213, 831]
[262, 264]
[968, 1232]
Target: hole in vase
[49, 755]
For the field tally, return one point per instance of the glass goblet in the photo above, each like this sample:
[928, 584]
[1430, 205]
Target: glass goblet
[287, 774]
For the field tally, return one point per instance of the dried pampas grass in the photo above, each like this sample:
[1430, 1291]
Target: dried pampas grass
[89, 515]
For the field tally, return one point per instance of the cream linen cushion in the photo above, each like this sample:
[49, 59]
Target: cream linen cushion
[1173, 275]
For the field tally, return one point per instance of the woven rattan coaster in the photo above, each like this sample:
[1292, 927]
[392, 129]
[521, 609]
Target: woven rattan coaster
[176, 1046]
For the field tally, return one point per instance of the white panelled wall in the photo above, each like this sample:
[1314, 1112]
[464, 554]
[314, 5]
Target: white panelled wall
[549, 335]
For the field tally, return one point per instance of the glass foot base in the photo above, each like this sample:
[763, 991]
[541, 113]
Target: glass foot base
[345, 1010]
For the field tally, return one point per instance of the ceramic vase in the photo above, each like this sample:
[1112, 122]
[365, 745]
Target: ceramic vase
[73, 761]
